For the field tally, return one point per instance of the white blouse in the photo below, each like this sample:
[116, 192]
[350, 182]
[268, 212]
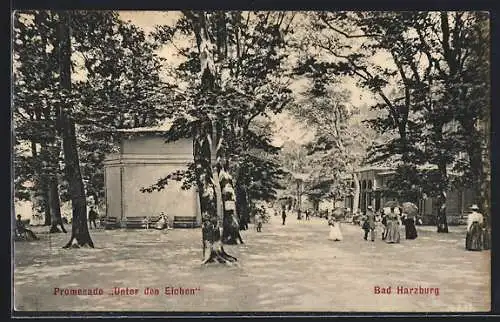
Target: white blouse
[472, 217]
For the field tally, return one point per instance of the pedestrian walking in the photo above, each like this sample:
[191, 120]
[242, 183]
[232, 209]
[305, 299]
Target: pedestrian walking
[392, 236]
[283, 215]
[93, 217]
[474, 236]
[410, 229]
[335, 233]
[356, 218]
[369, 224]
[258, 221]
[383, 217]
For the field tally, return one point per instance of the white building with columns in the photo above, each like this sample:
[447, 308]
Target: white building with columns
[142, 160]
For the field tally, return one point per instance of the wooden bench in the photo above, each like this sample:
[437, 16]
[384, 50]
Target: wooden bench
[109, 223]
[184, 222]
[22, 236]
[140, 222]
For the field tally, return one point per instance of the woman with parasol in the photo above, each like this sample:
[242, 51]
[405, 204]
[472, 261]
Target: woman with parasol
[391, 209]
[334, 223]
[410, 211]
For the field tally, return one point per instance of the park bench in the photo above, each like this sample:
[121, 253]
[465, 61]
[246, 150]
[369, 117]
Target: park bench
[462, 220]
[22, 235]
[110, 223]
[140, 222]
[184, 222]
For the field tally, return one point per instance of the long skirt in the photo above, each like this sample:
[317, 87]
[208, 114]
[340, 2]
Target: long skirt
[410, 230]
[392, 235]
[474, 238]
[486, 239]
[335, 233]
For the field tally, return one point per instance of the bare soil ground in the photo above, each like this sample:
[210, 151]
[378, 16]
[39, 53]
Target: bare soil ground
[283, 268]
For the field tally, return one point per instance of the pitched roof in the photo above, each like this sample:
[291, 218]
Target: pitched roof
[164, 127]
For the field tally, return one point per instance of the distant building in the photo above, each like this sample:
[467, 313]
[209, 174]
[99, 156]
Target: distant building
[143, 159]
[294, 196]
[373, 182]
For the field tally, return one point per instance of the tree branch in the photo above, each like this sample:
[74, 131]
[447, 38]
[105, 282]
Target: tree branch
[346, 34]
[366, 77]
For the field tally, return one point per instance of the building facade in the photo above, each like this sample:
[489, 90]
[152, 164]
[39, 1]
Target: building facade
[143, 159]
[373, 181]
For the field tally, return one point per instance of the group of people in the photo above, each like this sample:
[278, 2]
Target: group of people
[260, 217]
[388, 219]
[299, 216]
[161, 223]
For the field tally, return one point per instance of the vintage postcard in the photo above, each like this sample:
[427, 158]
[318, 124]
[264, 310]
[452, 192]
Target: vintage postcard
[251, 161]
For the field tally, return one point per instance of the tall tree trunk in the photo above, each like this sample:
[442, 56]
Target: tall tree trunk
[55, 206]
[47, 209]
[50, 175]
[231, 231]
[485, 129]
[442, 223]
[485, 197]
[207, 143]
[39, 200]
[357, 191]
[242, 206]
[210, 197]
[316, 205]
[79, 231]
[479, 162]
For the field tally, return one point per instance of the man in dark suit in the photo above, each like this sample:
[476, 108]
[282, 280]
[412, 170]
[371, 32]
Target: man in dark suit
[93, 217]
[283, 215]
[369, 224]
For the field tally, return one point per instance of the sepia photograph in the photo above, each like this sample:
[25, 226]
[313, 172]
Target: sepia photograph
[251, 161]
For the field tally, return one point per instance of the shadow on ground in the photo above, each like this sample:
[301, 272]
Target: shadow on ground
[283, 268]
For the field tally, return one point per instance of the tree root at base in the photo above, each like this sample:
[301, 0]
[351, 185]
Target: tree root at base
[74, 243]
[220, 256]
[54, 229]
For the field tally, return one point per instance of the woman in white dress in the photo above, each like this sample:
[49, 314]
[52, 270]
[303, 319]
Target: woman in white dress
[335, 233]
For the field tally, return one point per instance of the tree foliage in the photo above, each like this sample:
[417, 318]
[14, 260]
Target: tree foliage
[116, 84]
[249, 55]
[419, 65]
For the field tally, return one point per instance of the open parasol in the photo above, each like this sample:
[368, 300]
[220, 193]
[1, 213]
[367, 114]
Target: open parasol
[338, 213]
[410, 209]
[391, 204]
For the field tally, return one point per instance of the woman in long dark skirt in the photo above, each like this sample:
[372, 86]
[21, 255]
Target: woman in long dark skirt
[474, 237]
[410, 229]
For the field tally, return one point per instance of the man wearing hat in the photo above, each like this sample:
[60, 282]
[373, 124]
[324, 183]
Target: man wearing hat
[474, 237]
[369, 224]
